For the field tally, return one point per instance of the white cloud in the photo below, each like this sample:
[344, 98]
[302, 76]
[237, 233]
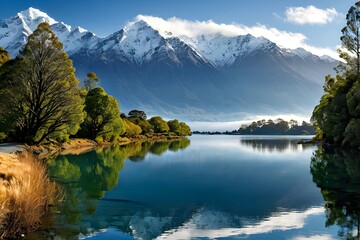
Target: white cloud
[283, 39]
[310, 15]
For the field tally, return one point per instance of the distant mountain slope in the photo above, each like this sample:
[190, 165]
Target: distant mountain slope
[209, 77]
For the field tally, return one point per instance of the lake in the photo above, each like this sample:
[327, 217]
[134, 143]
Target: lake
[208, 187]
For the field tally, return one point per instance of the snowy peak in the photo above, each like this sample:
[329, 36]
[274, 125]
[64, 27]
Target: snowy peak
[327, 58]
[138, 41]
[224, 51]
[141, 41]
[74, 39]
[307, 56]
[301, 52]
[15, 30]
[33, 15]
[61, 27]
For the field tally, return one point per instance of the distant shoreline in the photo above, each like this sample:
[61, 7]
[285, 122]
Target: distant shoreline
[255, 134]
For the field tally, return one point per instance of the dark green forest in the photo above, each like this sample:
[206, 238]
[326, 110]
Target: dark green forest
[41, 100]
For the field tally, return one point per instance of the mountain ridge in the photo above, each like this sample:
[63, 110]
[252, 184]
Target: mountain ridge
[31, 17]
[209, 77]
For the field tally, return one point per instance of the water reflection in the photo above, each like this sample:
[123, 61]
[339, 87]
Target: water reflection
[85, 179]
[214, 225]
[215, 189]
[337, 174]
[275, 144]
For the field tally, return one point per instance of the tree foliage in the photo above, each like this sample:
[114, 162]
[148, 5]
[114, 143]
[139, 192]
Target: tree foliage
[4, 56]
[174, 126]
[159, 125]
[337, 116]
[179, 128]
[39, 96]
[350, 38]
[137, 114]
[131, 129]
[102, 121]
[143, 124]
[91, 81]
[277, 127]
[184, 129]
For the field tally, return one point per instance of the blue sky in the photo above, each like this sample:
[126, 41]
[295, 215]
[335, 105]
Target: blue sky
[105, 17]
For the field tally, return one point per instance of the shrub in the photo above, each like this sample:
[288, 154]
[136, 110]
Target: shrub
[26, 194]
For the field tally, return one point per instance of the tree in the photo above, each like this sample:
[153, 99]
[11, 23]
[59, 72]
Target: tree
[137, 114]
[174, 126]
[350, 38]
[91, 81]
[102, 121]
[143, 124]
[337, 116]
[181, 129]
[184, 129]
[159, 125]
[4, 56]
[39, 91]
[293, 123]
[131, 129]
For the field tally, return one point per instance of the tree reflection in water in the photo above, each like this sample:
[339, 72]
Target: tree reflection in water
[337, 174]
[86, 178]
[275, 144]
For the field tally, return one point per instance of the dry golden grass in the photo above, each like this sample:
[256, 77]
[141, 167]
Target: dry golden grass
[26, 194]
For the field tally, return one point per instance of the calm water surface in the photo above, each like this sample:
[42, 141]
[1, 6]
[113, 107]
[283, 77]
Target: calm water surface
[209, 187]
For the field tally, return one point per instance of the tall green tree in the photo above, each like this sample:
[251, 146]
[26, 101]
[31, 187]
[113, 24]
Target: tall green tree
[102, 121]
[337, 115]
[350, 38]
[39, 91]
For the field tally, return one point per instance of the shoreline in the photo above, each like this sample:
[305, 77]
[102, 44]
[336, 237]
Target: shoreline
[78, 145]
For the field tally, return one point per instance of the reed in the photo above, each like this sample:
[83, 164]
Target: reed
[26, 195]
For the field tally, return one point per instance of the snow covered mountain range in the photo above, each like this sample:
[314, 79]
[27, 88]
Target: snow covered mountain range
[200, 78]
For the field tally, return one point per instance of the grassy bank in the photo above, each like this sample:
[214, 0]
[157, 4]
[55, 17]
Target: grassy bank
[26, 194]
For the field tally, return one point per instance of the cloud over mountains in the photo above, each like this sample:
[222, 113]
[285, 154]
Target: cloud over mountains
[284, 39]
